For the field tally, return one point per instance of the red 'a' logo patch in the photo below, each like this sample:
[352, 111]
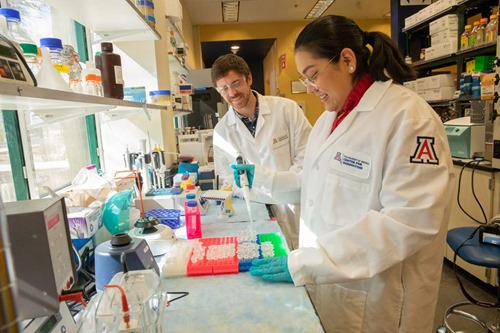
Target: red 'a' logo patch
[424, 153]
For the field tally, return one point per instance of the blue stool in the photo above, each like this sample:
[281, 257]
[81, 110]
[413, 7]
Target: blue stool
[476, 253]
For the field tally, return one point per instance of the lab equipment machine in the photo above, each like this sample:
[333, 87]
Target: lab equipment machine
[466, 139]
[42, 254]
[136, 252]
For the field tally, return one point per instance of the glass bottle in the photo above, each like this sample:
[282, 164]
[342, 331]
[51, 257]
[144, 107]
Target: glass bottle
[464, 38]
[473, 33]
[30, 53]
[14, 30]
[55, 48]
[75, 69]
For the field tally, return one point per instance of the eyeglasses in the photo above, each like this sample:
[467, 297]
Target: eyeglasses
[309, 81]
[235, 84]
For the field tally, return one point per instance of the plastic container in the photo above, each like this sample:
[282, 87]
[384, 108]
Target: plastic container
[147, 8]
[110, 65]
[48, 76]
[193, 219]
[473, 34]
[91, 80]
[464, 38]
[161, 97]
[58, 61]
[492, 29]
[481, 32]
[30, 53]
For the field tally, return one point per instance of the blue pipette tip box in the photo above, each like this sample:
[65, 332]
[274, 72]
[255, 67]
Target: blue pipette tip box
[169, 217]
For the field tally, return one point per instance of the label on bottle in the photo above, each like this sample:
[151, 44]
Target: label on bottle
[118, 75]
[62, 68]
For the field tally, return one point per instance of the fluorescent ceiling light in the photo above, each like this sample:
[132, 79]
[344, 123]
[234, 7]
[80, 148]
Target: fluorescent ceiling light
[235, 49]
[230, 11]
[319, 8]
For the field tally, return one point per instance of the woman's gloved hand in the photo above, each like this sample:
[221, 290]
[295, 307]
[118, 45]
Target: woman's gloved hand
[249, 170]
[272, 269]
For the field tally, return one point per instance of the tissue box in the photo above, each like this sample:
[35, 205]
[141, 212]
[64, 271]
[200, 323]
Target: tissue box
[84, 221]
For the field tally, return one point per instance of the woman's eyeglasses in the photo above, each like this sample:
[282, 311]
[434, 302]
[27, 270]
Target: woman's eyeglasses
[309, 81]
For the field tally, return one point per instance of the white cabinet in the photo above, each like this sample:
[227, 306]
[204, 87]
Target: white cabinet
[487, 190]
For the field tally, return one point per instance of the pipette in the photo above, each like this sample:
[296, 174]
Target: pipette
[246, 191]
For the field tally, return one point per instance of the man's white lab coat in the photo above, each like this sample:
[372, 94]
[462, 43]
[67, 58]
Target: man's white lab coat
[375, 200]
[280, 141]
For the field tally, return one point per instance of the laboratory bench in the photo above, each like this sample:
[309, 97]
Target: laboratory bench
[237, 302]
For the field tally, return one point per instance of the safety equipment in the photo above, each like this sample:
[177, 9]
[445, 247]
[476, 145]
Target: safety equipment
[249, 169]
[272, 269]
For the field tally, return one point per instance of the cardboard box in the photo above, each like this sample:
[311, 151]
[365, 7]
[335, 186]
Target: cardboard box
[447, 22]
[84, 221]
[435, 82]
[438, 94]
[444, 36]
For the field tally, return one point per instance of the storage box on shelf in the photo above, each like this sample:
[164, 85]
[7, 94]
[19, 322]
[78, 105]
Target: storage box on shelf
[437, 30]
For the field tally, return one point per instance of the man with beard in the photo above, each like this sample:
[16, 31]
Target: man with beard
[265, 130]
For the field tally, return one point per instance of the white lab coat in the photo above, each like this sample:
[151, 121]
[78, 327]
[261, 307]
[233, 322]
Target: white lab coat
[280, 140]
[374, 214]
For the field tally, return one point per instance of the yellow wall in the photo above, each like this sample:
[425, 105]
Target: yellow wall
[285, 34]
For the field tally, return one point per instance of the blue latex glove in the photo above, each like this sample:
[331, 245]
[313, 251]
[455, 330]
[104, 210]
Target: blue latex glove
[249, 170]
[272, 269]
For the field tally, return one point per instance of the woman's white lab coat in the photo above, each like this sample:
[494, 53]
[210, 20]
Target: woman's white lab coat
[280, 141]
[375, 200]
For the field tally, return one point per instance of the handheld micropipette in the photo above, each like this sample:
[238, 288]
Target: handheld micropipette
[246, 191]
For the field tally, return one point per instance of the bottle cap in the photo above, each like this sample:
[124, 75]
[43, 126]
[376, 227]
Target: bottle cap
[51, 43]
[10, 14]
[192, 204]
[29, 48]
[106, 47]
[159, 92]
[190, 187]
[190, 196]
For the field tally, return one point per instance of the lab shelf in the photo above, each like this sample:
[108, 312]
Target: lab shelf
[111, 20]
[47, 105]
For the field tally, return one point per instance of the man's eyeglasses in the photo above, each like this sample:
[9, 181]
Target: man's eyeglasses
[309, 81]
[235, 84]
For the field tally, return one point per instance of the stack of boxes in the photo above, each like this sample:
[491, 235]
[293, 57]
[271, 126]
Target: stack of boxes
[434, 88]
[444, 37]
[428, 11]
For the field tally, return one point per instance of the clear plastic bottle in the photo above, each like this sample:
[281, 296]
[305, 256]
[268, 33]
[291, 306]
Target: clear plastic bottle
[30, 53]
[72, 58]
[492, 29]
[473, 34]
[91, 79]
[14, 30]
[193, 219]
[55, 48]
[481, 32]
[464, 38]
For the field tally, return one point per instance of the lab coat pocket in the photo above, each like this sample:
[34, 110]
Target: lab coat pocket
[345, 199]
[341, 310]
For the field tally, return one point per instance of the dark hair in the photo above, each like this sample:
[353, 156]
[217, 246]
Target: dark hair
[226, 63]
[326, 36]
